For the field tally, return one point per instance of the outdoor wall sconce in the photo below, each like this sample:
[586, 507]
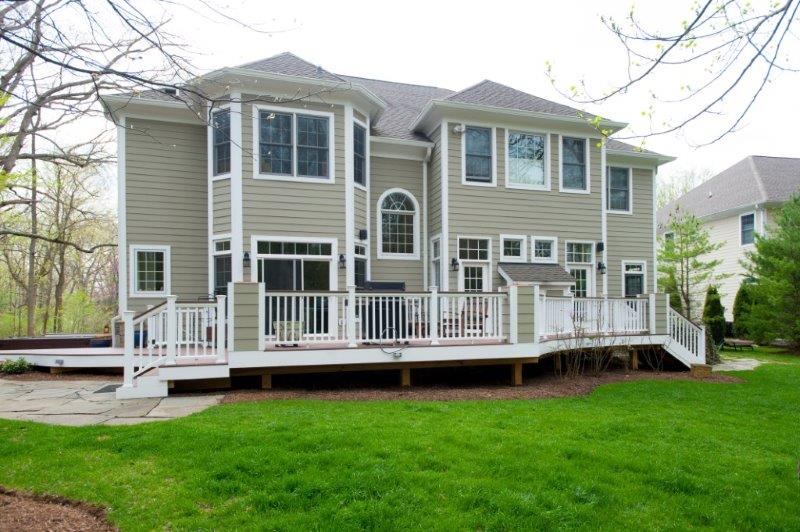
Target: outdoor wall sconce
[454, 264]
[246, 259]
[601, 267]
[342, 262]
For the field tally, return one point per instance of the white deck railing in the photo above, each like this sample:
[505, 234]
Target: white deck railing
[173, 330]
[567, 316]
[687, 335]
[294, 319]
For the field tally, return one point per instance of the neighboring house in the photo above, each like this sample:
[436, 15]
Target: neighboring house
[734, 206]
[306, 183]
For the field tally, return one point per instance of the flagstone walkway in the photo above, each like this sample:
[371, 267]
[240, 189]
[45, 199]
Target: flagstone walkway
[77, 403]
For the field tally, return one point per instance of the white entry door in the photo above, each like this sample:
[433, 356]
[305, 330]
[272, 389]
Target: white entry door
[473, 277]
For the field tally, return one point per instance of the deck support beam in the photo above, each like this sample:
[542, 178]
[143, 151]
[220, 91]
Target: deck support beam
[405, 377]
[516, 373]
[266, 381]
[635, 360]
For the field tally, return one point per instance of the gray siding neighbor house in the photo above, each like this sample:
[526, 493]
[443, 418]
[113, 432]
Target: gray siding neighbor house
[308, 180]
[734, 206]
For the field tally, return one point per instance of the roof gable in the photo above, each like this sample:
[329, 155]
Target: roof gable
[289, 64]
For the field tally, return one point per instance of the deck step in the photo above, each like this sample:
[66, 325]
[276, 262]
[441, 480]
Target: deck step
[144, 386]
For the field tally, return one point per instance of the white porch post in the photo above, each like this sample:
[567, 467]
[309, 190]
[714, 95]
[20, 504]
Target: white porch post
[513, 315]
[701, 349]
[433, 316]
[172, 329]
[127, 359]
[652, 312]
[351, 316]
[220, 328]
[538, 309]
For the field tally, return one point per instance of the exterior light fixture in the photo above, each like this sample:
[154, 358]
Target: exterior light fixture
[454, 264]
[342, 262]
[246, 259]
[601, 267]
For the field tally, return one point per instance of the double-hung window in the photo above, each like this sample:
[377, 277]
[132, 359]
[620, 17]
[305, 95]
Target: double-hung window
[618, 189]
[747, 223]
[294, 145]
[478, 155]
[359, 155]
[574, 174]
[526, 160]
[151, 271]
[221, 124]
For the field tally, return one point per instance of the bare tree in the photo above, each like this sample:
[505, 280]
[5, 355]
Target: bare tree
[723, 49]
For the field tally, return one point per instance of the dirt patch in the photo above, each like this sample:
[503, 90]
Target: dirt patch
[66, 376]
[539, 387]
[20, 511]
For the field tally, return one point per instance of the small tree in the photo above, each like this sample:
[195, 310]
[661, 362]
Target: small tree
[775, 265]
[741, 308]
[680, 258]
[714, 315]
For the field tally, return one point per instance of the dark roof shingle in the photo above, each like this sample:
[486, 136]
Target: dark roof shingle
[289, 64]
[495, 94]
[535, 273]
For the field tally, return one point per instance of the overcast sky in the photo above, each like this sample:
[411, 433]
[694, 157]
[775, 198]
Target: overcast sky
[456, 44]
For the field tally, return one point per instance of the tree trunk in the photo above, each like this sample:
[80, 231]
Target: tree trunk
[32, 247]
[59, 295]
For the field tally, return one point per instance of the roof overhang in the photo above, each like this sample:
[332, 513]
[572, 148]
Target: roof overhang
[118, 105]
[415, 150]
[641, 156]
[436, 110]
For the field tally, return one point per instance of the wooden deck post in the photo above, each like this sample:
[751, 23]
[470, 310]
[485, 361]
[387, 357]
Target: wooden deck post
[635, 359]
[516, 372]
[405, 377]
[266, 381]
[558, 362]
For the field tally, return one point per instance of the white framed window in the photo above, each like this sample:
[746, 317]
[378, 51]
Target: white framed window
[574, 165]
[293, 144]
[223, 265]
[474, 248]
[479, 156]
[634, 278]
[513, 248]
[527, 160]
[360, 265]
[436, 261]
[398, 225]
[221, 142]
[359, 153]
[313, 260]
[150, 271]
[619, 190]
[544, 249]
[747, 229]
[579, 252]
[579, 259]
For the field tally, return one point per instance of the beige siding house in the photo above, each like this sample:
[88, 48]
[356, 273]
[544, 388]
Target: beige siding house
[734, 206]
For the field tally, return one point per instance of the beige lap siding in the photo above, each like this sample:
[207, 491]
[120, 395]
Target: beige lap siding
[435, 186]
[222, 206]
[246, 325]
[166, 201]
[395, 173]
[492, 211]
[630, 236]
[294, 208]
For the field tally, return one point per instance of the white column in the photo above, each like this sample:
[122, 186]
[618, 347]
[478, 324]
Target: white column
[221, 329]
[444, 199]
[262, 316]
[122, 248]
[701, 349]
[127, 359]
[349, 196]
[433, 316]
[172, 329]
[513, 315]
[351, 316]
[237, 194]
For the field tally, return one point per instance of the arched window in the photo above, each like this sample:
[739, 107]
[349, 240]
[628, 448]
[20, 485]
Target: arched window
[398, 224]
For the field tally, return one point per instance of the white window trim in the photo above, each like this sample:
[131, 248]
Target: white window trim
[134, 249]
[464, 181]
[547, 181]
[293, 177]
[643, 264]
[561, 188]
[523, 257]
[591, 277]
[379, 233]
[629, 210]
[366, 155]
[333, 258]
[226, 175]
[539, 260]
[486, 263]
[214, 239]
[742, 245]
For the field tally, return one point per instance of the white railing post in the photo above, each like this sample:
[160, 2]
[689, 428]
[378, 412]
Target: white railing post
[172, 329]
[701, 349]
[433, 316]
[538, 311]
[220, 329]
[351, 316]
[652, 312]
[513, 315]
[127, 359]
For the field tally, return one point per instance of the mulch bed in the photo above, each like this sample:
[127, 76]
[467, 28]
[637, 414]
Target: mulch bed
[66, 376]
[21, 511]
[539, 387]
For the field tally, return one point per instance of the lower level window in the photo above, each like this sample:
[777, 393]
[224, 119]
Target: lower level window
[222, 274]
[150, 270]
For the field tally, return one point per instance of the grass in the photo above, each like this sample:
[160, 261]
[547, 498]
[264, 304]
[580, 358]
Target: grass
[646, 454]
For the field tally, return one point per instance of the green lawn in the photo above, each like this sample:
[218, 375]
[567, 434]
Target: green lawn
[672, 454]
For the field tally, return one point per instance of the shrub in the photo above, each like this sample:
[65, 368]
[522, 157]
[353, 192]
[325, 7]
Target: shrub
[741, 309]
[714, 315]
[10, 367]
